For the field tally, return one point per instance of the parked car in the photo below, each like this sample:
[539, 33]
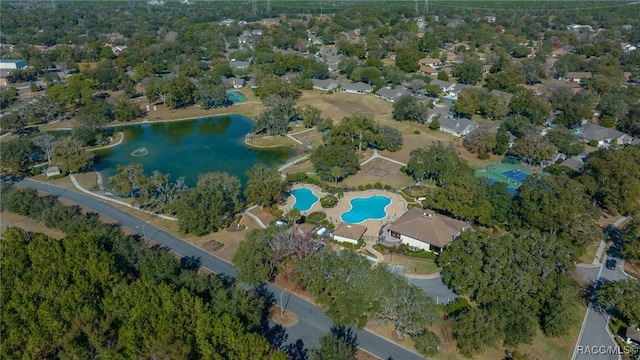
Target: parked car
[611, 264]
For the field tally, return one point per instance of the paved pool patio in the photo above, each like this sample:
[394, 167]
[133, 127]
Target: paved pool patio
[395, 209]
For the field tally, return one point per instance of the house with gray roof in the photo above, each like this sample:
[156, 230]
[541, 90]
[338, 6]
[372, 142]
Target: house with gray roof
[505, 97]
[392, 95]
[445, 86]
[575, 163]
[356, 88]
[458, 126]
[605, 136]
[233, 82]
[438, 112]
[324, 84]
[239, 65]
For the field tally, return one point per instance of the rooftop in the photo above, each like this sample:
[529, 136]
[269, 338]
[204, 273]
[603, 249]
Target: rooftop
[427, 226]
[350, 231]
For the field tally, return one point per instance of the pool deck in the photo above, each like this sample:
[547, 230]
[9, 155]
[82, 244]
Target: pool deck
[394, 210]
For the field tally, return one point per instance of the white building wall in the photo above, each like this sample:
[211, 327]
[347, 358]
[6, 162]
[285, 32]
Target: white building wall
[416, 243]
[344, 239]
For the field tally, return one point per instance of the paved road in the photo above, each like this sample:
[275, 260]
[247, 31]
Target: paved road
[595, 331]
[436, 289]
[312, 321]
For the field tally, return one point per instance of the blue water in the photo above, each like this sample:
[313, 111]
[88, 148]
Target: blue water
[362, 209]
[304, 199]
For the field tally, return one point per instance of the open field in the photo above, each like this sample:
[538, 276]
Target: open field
[9, 219]
[412, 265]
[379, 170]
[337, 105]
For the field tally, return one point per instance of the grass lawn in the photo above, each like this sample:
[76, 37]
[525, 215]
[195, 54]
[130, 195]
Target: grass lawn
[589, 253]
[379, 170]
[412, 265]
[272, 141]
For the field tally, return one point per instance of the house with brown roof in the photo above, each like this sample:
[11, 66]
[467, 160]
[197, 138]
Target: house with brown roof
[578, 76]
[632, 336]
[424, 229]
[350, 233]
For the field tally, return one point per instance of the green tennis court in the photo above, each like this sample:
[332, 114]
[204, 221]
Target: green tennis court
[510, 174]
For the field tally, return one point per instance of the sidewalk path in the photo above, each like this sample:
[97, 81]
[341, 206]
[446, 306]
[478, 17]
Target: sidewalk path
[106, 198]
[254, 217]
[378, 156]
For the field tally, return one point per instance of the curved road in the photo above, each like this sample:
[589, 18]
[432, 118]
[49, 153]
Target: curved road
[312, 321]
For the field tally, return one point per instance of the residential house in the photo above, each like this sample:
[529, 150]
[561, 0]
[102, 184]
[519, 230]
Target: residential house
[575, 163]
[53, 171]
[425, 69]
[239, 65]
[392, 95]
[13, 64]
[118, 49]
[458, 127]
[438, 112]
[457, 89]
[627, 27]
[233, 82]
[324, 84]
[632, 336]
[578, 76]
[5, 77]
[505, 97]
[486, 69]
[605, 136]
[356, 88]
[424, 229]
[349, 233]
[227, 22]
[445, 86]
[433, 62]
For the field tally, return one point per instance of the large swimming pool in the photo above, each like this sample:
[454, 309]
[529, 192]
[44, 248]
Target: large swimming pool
[305, 199]
[371, 208]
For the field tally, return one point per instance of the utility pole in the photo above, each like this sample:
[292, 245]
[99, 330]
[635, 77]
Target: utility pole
[269, 8]
[255, 6]
[282, 303]
[426, 8]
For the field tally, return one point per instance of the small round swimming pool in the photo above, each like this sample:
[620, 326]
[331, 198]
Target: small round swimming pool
[371, 208]
[304, 199]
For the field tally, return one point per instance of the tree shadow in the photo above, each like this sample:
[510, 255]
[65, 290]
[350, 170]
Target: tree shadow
[190, 263]
[277, 336]
[296, 351]
[345, 334]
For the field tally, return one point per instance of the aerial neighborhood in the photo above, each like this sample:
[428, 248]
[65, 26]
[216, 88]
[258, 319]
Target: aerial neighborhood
[320, 180]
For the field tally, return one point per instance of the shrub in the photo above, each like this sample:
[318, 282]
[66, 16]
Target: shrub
[329, 201]
[403, 169]
[368, 186]
[315, 217]
[296, 177]
[456, 306]
[427, 344]
[327, 224]
[377, 186]
[593, 143]
[483, 156]
[361, 187]
[275, 211]
[416, 132]
[435, 123]
[387, 187]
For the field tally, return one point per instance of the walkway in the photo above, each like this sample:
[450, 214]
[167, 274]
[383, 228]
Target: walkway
[254, 217]
[106, 198]
[378, 156]
[292, 163]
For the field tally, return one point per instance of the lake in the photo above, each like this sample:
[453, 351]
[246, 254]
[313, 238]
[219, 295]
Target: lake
[189, 148]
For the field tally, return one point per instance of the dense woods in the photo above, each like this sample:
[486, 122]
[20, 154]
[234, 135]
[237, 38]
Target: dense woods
[100, 293]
